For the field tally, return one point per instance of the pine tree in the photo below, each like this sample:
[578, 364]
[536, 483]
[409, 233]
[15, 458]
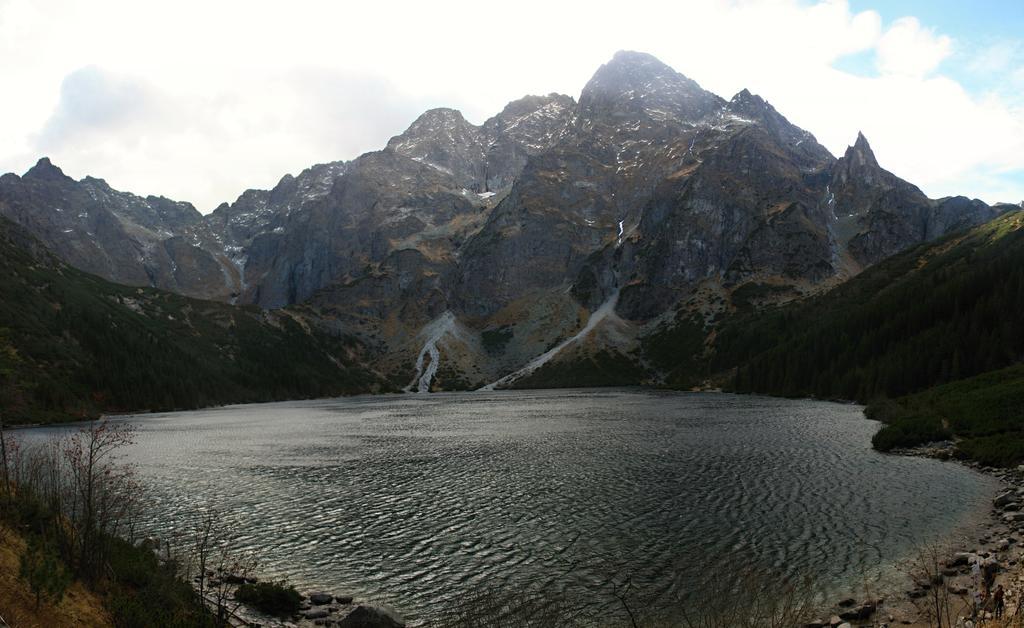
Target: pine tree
[44, 573]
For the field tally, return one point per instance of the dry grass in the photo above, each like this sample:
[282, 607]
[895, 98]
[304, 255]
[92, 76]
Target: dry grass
[80, 607]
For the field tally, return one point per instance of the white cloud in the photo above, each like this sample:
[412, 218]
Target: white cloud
[908, 49]
[997, 58]
[200, 100]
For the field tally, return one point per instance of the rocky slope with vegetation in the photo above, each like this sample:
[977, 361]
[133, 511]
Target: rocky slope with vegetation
[929, 338]
[80, 346]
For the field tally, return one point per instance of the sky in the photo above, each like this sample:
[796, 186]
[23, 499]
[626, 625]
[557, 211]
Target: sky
[199, 100]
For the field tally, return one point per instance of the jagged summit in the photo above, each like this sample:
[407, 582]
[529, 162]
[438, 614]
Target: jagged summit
[531, 103]
[635, 82]
[745, 95]
[439, 124]
[860, 153]
[438, 116]
[44, 170]
[752, 107]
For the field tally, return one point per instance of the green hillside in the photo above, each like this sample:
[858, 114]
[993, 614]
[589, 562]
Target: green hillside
[939, 313]
[85, 346]
[985, 413]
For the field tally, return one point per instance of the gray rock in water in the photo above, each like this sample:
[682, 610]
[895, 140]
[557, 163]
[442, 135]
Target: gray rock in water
[319, 598]
[318, 613]
[370, 617]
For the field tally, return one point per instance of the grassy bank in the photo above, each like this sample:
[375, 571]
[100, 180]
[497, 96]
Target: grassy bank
[78, 605]
[138, 591]
[69, 557]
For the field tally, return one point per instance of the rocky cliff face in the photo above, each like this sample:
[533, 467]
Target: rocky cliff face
[483, 246]
[877, 214]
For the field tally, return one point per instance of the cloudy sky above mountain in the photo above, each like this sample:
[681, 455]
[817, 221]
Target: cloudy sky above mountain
[199, 100]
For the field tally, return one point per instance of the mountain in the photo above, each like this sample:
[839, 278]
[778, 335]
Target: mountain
[128, 239]
[931, 315]
[557, 233]
[84, 346]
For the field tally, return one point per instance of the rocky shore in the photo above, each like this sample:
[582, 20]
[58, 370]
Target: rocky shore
[317, 608]
[950, 575]
[324, 609]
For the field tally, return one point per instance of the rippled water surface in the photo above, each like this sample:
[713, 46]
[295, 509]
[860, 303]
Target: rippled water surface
[419, 499]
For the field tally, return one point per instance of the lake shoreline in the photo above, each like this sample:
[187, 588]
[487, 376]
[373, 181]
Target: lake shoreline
[994, 533]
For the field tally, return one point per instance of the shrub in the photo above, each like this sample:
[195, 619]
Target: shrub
[910, 432]
[44, 572]
[1001, 450]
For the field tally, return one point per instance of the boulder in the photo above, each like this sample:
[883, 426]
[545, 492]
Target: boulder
[860, 612]
[960, 558]
[319, 598]
[317, 613]
[1004, 498]
[150, 543]
[370, 617]
[343, 599]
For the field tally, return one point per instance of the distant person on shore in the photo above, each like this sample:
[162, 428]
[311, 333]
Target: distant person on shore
[997, 599]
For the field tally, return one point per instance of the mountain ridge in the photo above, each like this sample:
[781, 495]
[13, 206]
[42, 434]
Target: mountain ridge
[648, 188]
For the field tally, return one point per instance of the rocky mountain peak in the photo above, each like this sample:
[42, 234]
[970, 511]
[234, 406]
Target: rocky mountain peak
[433, 123]
[443, 140]
[744, 95]
[531, 104]
[804, 147]
[44, 170]
[860, 154]
[752, 106]
[635, 82]
[533, 122]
